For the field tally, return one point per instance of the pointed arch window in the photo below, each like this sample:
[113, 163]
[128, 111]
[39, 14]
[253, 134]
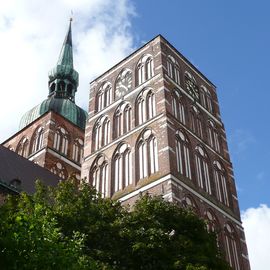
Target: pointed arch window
[183, 155]
[122, 120]
[213, 226]
[104, 96]
[99, 175]
[101, 132]
[206, 99]
[122, 167]
[77, 153]
[145, 106]
[61, 141]
[213, 136]
[231, 247]
[147, 154]
[196, 123]
[189, 203]
[178, 107]
[37, 140]
[22, 147]
[173, 69]
[57, 140]
[221, 183]
[145, 69]
[202, 170]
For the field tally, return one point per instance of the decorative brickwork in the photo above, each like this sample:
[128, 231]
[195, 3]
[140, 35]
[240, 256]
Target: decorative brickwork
[159, 131]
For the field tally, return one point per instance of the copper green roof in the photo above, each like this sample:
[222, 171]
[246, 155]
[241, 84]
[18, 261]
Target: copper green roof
[64, 67]
[63, 83]
[64, 107]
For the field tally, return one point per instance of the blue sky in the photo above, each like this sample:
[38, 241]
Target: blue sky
[229, 42]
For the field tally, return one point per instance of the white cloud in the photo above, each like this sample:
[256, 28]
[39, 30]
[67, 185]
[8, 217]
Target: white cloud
[31, 34]
[256, 222]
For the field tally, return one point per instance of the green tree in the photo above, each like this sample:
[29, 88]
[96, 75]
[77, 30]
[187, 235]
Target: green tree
[72, 227]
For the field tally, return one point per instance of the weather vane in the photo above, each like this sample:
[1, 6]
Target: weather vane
[71, 16]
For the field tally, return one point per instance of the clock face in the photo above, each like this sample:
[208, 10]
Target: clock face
[123, 83]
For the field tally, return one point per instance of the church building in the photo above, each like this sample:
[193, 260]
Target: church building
[52, 133]
[153, 126]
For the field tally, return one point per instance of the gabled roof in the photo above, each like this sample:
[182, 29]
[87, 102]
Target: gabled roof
[15, 167]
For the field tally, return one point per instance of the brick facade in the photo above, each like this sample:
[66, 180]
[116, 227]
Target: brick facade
[46, 154]
[171, 117]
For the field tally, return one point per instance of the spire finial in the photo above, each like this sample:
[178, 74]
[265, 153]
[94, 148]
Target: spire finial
[71, 16]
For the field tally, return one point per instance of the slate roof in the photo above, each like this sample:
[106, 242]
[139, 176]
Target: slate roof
[14, 166]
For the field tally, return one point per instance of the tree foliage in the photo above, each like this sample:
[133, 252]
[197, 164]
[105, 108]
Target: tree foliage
[72, 227]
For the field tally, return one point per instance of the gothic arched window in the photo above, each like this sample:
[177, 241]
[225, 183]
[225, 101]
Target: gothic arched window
[206, 99]
[122, 119]
[213, 226]
[221, 183]
[104, 96]
[202, 170]
[145, 106]
[98, 177]
[145, 69]
[22, 147]
[173, 69]
[213, 136]
[122, 167]
[178, 107]
[147, 154]
[37, 140]
[189, 203]
[77, 152]
[101, 132]
[196, 123]
[231, 247]
[61, 141]
[183, 155]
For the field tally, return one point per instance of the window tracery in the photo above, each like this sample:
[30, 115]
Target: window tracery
[178, 107]
[213, 136]
[183, 155]
[221, 183]
[122, 119]
[104, 96]
[22, 147]
[147, 154]
[145, 106]
[145, 69]
[206, 99]
[173, 69]
[37, 139]
[202, 170]
[101, 132]
[231, 246]
[122, 167]
[99, 175]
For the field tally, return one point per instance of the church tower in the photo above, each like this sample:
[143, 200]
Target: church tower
[155, 127]
[52, 133]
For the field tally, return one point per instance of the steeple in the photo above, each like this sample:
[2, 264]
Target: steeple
[66, 55]
[63, 79]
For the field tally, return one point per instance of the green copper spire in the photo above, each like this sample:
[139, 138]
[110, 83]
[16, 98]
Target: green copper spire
[63, 83]
[66, 55]
[64, 79]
